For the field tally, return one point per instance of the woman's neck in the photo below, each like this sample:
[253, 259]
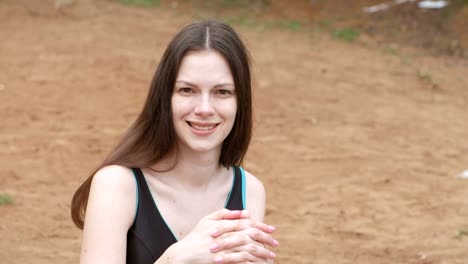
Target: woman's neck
[192, 169]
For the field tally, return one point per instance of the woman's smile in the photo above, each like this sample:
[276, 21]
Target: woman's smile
[202, 129]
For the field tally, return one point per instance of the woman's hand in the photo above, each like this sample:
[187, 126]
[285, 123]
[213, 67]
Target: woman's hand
[236, 237]
[242, 241]
[240, 247]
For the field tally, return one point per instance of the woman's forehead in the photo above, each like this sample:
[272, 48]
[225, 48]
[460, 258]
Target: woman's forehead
[205, 65]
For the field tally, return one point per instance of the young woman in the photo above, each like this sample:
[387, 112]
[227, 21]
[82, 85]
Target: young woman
[172, 190]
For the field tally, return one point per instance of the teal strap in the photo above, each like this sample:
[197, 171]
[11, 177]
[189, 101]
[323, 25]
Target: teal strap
[243, 188]
[233, 182]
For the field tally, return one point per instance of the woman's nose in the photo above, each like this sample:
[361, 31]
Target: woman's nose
[204, 105]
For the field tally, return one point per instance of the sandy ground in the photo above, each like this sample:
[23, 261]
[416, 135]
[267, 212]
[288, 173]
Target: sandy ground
[358, 148]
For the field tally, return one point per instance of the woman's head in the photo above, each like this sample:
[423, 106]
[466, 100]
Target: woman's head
[157, 115]
[152, 137]
[204, 102]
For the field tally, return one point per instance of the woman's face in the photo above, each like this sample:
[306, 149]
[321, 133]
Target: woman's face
[204, 102]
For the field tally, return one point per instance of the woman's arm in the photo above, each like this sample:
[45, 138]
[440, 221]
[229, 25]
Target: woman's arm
[255, 197]
[256, 203]
[110, 213]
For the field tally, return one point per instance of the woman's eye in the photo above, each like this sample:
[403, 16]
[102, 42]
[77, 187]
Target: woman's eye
[224, 92]
[185, 90]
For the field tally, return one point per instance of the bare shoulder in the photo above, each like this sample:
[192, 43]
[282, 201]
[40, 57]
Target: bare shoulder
[114, 178]
[253, 183]
[255, 196]
[112, 199]
[112, 194]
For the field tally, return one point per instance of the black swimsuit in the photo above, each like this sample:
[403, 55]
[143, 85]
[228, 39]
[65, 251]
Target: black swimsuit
[150, 236]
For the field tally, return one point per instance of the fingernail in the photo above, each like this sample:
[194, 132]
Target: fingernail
[218, 259]
[213, 232]
[213, 247]
[273, 255]
[272, 228]
[275, 242]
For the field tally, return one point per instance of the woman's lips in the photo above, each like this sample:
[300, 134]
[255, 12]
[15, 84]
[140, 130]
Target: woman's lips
[202, 128]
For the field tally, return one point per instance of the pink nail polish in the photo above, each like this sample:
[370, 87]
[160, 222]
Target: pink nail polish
[275, 242]
[213, 232]
[218, 259]
[213, 247]
[272, 228]
[273, 255]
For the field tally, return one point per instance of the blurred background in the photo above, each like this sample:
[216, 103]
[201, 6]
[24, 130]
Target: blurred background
[360, 108]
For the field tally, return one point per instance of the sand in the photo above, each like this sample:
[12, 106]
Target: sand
[358, 148]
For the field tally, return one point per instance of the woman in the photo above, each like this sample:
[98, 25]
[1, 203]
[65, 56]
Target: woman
[158, 197]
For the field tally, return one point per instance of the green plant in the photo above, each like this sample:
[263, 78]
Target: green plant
[346, 34]
[461, 233]
[390, 50]
[144, 3]
[325, 24]
[293, 25]
[5, 199]
[239, 20]
[234, 3]
[405, 59]
[427, 78]
[461, 2]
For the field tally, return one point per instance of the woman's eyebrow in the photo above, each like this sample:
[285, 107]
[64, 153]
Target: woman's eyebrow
[194, 85]
[185, 82]
[224, 84]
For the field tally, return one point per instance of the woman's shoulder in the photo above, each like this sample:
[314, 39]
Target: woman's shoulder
[253, 183]
[114, 179]
[112, 194]
[255, 196]
[114, 175]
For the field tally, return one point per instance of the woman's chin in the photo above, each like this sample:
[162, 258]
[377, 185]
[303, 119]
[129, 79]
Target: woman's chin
[203, 148]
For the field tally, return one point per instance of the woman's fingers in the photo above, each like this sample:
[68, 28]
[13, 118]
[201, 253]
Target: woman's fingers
[238, 242]
[261, 237]
[240, 224]
[245, 254]
[225, 214]
[231, 240]
[234, 239]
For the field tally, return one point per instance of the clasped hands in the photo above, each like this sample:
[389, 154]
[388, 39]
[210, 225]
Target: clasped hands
[226, 237]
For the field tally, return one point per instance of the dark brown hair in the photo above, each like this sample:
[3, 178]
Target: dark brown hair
[152, 135]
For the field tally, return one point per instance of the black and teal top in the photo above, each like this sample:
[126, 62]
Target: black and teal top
[150, 236]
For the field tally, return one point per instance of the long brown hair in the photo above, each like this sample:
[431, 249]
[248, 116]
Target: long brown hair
[152, 135]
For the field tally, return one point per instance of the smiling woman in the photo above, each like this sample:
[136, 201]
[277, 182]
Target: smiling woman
[174, 182]
[204, 103]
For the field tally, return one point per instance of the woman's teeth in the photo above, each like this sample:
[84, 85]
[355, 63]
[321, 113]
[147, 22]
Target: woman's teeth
[204, 128]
